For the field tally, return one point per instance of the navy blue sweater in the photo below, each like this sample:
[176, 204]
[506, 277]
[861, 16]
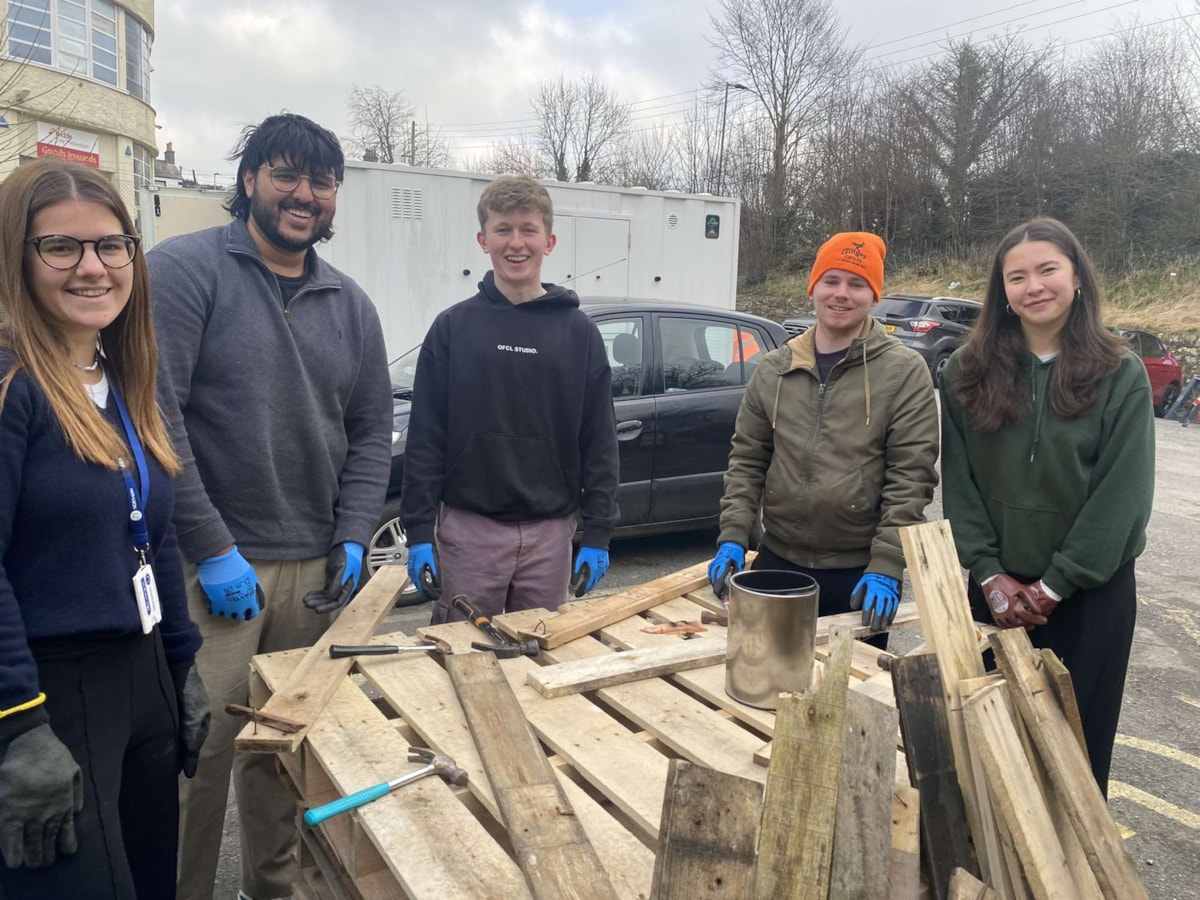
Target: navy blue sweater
[68, 559]
[512, 416]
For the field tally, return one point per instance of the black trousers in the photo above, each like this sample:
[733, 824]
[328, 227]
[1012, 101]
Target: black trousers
[1092, 633]
[836, 586]
[111, 701]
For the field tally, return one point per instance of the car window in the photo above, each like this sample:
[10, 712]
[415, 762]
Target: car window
[1150, 347]
[899, 308]
[700, 353]
[968, 315]
[948, 311]
[403, 370]
[623, 346]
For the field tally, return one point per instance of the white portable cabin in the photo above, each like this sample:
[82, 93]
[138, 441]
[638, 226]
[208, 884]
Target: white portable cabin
[407, 236]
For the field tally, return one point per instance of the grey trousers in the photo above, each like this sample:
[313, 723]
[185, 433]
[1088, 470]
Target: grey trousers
[267, 812]
[501, 566]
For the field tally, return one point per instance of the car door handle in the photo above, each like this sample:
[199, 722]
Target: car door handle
[628, 430]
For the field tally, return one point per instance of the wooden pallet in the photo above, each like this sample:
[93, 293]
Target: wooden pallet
[610, 750]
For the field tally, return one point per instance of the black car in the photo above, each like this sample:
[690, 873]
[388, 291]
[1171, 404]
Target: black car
[678, 376]
[933, 326]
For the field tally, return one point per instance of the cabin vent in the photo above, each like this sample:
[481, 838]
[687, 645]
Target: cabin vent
[672, 221]
[407, 203]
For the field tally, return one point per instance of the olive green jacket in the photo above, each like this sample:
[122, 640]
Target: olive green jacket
[839, 468]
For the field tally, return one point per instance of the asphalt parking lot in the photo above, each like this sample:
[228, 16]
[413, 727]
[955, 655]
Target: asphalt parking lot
[1155, 788]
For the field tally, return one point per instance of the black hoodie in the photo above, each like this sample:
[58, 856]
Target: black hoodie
[512, 416]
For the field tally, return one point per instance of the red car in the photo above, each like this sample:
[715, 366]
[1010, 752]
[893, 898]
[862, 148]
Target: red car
[1166, 374]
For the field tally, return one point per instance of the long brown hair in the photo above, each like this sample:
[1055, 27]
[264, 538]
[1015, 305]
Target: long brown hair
[37, 342]
[992, 384]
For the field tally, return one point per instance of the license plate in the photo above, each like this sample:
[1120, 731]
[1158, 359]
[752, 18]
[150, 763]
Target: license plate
[890, 328]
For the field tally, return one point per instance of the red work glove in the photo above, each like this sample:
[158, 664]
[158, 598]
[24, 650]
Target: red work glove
[1011, 602]
[1043, 600]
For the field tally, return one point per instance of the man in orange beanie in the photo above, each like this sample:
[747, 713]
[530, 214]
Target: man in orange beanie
[836, 440]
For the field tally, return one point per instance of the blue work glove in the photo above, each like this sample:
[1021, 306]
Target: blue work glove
[423, 570]
[590, 565]
[878, 596]
[342, 570]
[231, 585]
[730, 559]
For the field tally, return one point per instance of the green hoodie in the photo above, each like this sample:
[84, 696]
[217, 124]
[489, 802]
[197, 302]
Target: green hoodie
[838, 469]
[1064, 499]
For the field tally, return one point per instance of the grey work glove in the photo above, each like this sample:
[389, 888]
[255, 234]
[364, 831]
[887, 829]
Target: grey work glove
[195, 714]
[41, 789]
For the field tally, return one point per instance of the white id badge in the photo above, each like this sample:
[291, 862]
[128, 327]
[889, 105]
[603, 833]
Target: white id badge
[146, 592]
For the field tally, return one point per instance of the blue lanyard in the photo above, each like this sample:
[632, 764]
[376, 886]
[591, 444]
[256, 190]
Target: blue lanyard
[137, 502]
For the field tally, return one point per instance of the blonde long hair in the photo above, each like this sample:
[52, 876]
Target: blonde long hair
[37, 343]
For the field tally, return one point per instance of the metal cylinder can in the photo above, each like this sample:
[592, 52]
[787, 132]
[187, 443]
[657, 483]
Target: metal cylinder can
[772, 635]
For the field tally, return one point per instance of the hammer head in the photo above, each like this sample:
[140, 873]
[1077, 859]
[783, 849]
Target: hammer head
[442, 764]
[510, 649]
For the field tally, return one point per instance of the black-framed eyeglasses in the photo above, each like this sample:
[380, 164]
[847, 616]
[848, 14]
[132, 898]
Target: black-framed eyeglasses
[61, 251]
[286, 179]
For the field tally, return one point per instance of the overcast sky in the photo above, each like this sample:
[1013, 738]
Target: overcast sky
[469, 66]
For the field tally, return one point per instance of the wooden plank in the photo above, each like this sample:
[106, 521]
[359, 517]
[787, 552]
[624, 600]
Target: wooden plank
[709, 834]
[592, 674]
[549, 843]
[614, 608]
[862, 837]
[1064, 693]
[795, 844]
[965, 886]
[1018, 800]
[1075, 787]
[358, 747]
[682, 723]
[907, 618]
[926, 730]
[941, 596]
[1081, 872]
[604, 751]
[417, 687]
[314, 681]
[864, 659]
[904, 865]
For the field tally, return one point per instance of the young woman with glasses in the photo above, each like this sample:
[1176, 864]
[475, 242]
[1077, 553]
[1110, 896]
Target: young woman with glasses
[100, 705]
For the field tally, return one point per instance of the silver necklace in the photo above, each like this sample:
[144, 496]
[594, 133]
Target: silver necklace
[93, 367]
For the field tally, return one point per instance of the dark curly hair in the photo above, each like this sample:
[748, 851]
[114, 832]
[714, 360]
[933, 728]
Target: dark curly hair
[300, 142]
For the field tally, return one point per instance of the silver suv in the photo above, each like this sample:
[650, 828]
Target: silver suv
[933, 326]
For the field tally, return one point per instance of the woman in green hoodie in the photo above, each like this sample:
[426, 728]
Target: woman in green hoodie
[1048, 468]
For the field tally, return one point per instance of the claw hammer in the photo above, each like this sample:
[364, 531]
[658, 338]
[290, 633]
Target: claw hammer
[435, 764]
[501, 645]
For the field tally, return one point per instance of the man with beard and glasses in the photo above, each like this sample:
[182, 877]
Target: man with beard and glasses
[274, 382]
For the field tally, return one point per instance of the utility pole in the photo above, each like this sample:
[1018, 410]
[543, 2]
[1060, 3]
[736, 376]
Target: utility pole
[721, 152]
[412, 147]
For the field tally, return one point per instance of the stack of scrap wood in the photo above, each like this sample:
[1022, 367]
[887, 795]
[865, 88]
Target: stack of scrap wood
[999, 758]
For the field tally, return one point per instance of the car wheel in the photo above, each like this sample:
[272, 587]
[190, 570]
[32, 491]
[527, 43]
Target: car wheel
[388, 548]
[939, 365]
[1169, 396]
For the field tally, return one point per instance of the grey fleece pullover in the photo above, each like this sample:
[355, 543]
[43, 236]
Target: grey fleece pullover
[281, 416]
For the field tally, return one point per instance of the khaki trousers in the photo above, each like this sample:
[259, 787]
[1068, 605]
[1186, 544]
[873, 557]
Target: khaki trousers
[266, 811]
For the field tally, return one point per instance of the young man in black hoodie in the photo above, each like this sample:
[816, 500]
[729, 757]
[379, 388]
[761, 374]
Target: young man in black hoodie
[512, 433]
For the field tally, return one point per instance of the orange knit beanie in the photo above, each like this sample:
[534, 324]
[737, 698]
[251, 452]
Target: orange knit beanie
[859, 252]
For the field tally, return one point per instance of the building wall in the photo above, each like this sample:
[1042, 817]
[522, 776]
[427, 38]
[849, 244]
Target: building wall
[123, 123]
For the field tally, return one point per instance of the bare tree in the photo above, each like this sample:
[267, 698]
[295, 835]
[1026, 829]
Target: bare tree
[513, 158]
[379, 123]
[579, 126]
[646, 159]
[792, 55]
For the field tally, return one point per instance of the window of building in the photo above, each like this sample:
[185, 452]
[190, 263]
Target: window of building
[79, 36]
[29, 31]
[137, 59]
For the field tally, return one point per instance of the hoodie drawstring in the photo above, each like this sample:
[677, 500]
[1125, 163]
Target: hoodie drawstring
[866, 383]
[1037, 409]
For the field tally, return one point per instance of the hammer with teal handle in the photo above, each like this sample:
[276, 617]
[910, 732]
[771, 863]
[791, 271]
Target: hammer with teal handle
[435, 764]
